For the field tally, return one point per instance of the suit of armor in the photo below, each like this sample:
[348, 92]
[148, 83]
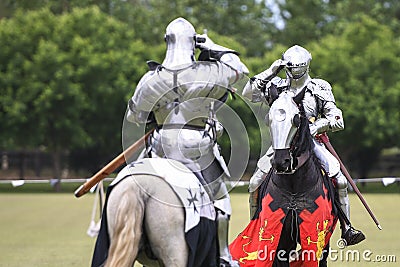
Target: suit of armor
[181, 97]
[322, 112]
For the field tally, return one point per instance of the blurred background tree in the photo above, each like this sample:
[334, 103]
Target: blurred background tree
[64, 81]
[67, 68]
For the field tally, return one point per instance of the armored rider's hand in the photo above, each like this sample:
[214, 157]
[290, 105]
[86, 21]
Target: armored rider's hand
[262, 78]
[204, 42]
[277, 66]
[319, 126]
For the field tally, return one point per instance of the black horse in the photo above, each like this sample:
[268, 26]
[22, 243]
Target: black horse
[295, 204]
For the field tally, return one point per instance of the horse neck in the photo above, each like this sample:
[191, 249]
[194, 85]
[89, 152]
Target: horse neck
[303, 179]
[304, 140]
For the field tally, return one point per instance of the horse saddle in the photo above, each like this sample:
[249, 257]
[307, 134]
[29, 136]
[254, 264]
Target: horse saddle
[185, 184]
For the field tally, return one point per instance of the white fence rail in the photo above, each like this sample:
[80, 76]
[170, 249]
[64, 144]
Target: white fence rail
[15, 183]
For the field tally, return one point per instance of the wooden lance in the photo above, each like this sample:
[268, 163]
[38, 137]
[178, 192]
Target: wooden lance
[112, 166]
[325, 139]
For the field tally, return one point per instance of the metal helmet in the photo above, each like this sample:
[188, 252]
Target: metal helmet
[298, 61]
[180, 34]
[180, 38]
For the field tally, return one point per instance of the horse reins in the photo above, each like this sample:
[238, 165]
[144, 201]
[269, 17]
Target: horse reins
[303, 156]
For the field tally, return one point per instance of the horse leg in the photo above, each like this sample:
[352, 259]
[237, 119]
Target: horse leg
[165, 230]
[125, 211]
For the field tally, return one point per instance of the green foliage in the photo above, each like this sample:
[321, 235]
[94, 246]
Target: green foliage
[67, 68]
[312, 20]
[64, 79]
[303, 22]
[239, 19]
[342, 12]
[362, 65]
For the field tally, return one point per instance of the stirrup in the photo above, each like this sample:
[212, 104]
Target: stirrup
[353, 236]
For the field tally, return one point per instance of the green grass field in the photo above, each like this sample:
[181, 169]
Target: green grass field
[49, 230]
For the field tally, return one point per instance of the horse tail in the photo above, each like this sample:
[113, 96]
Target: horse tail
[124, 243]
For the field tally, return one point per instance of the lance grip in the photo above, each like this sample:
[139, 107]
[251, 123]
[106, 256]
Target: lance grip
[112, 166]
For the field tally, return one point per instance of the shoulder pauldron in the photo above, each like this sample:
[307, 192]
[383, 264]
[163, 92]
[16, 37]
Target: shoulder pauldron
[322, 90]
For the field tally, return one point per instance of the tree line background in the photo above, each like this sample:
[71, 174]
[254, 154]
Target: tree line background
[68, 68]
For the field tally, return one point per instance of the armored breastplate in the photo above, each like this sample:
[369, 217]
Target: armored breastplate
[310, 105]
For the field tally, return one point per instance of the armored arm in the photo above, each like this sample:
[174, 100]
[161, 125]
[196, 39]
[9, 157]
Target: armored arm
[256, 85]
[214, 52]
[135, 115]
[331, 118]
[138, 108]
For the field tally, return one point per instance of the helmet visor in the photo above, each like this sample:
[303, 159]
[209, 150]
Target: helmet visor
[297, 72]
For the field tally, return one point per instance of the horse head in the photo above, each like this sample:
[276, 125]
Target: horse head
[287, 123]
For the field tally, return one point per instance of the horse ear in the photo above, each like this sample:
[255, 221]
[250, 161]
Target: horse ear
[273, 94]
[299, 97]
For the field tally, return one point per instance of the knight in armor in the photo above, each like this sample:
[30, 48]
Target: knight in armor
[323, 114]
[181, 96]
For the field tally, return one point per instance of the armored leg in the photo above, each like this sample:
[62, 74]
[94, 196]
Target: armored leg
[255, 182]
[263, 166]
[224, 210]
[223, 231]
[341, 184]
[214, 176]
[253, 203]
[351, 235]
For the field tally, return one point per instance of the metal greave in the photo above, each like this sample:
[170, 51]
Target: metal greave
[345, 206]
[223, 231]
[253, 202]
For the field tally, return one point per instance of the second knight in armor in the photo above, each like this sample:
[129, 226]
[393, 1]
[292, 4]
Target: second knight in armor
[321, 110]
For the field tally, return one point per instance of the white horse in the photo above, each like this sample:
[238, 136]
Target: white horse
[145, 222]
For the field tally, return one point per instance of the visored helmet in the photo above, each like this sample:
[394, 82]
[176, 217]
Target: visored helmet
[180, 34]
[298, 61]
